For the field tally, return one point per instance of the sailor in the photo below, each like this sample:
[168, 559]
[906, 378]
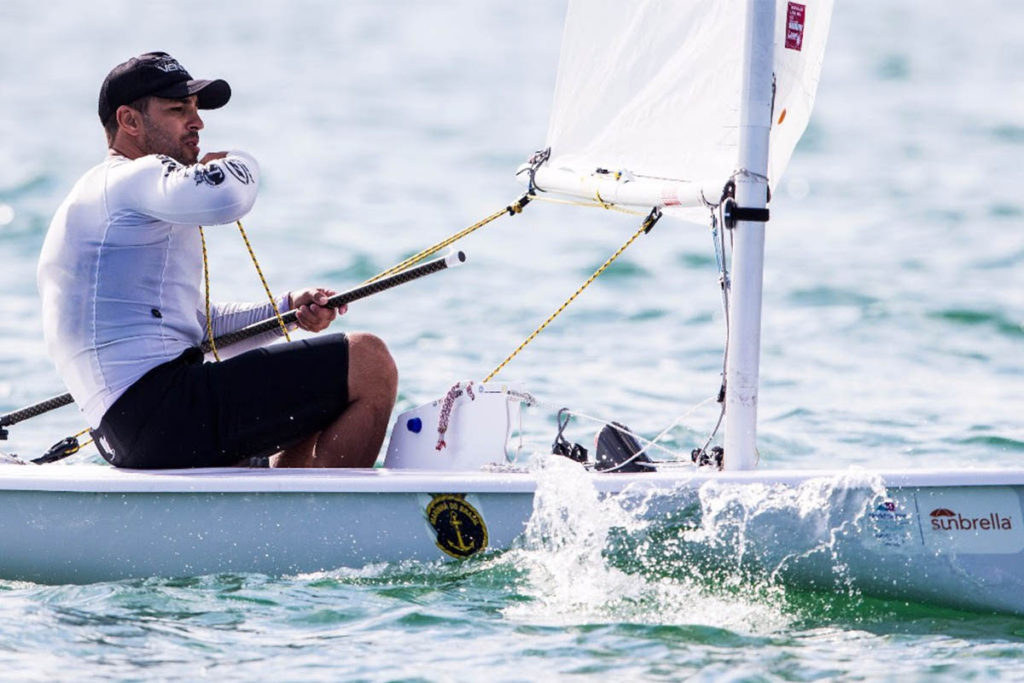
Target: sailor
[123, 314]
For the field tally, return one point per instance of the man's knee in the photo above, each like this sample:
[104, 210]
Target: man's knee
[371, 367]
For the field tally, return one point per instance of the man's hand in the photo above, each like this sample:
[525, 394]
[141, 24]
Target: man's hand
[207, 158]
[311, 309]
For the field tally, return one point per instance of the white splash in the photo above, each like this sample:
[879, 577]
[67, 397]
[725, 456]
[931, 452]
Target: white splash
[770, 528]
[570, 578]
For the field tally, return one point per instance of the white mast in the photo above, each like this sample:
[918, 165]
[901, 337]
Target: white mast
[748, 255]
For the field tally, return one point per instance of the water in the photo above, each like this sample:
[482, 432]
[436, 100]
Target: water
[893, 330]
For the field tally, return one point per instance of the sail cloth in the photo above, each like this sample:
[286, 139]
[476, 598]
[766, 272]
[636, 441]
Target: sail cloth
[648, 91]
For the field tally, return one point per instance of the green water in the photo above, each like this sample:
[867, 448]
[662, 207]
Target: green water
[501, 617]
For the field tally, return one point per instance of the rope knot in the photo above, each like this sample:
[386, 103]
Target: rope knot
[446, 411]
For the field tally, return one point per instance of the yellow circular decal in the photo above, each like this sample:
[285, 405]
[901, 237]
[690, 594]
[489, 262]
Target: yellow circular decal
[460, 529]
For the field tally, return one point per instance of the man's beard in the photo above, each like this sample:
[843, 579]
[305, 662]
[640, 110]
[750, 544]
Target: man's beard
[158, 142]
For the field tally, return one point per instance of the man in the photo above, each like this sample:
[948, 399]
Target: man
[123, 315]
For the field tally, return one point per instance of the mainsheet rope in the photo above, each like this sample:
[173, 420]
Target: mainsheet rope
[512, 209]
[263, 280]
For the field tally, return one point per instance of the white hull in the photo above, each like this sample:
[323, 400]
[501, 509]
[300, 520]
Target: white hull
[953, 539]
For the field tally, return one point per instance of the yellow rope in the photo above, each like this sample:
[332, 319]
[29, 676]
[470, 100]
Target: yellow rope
[512, 209]
[648, 223]
[206, 282]
[266, 287]
[84, 443]
[263, 280]
[78, 446]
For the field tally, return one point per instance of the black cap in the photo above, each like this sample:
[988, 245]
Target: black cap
[159, 74]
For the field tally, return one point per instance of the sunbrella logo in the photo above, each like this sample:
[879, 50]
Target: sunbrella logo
[984, 520]
[944, 519]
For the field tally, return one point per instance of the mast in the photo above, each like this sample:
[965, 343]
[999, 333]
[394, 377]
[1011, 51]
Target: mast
[748, 251]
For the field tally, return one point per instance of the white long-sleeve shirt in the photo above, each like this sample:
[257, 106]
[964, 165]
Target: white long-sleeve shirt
[121, 268]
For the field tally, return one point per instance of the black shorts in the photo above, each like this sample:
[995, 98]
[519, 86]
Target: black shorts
[187, 413]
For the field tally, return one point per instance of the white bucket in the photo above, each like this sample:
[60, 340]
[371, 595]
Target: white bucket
[480, 422]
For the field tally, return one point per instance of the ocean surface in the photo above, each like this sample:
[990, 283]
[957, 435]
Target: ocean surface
[893, 328]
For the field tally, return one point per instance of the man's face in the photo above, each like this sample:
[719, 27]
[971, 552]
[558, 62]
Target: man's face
[171, 127]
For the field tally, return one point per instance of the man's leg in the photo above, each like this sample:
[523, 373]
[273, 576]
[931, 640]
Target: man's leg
[355, 437]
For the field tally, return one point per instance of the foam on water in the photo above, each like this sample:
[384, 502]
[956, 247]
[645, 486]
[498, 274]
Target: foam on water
[594, 559]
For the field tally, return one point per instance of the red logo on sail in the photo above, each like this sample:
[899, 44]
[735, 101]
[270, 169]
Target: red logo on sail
[944, 519]
[795, 26]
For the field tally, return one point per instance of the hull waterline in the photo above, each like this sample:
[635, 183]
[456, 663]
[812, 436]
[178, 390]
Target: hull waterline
[954, 539]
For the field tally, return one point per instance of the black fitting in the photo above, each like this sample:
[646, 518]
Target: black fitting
[517, 206]
[563, 446]
[652, 219]
[703, 458]
[732, 214]
[59, 451]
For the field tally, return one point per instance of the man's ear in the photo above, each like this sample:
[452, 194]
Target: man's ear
[129, 120]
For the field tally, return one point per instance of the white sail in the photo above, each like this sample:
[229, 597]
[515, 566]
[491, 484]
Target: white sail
[651, 89]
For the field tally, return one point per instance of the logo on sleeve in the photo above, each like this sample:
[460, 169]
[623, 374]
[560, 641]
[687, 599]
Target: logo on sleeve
[211, 175]
[239, 170]
[170, 165]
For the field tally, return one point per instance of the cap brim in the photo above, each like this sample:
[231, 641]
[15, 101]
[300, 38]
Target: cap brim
[209, 94]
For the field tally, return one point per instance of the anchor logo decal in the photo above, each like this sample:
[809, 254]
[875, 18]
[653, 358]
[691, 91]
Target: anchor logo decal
[459, 527]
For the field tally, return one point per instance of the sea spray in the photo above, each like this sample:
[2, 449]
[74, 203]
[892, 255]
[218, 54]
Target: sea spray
[723, 554]
[588, 558]
[776, 533]
[564, 543]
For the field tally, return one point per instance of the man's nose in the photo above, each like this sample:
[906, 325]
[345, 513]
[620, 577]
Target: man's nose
[195, 121]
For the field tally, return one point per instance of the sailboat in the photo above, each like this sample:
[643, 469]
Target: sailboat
[687, 110]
